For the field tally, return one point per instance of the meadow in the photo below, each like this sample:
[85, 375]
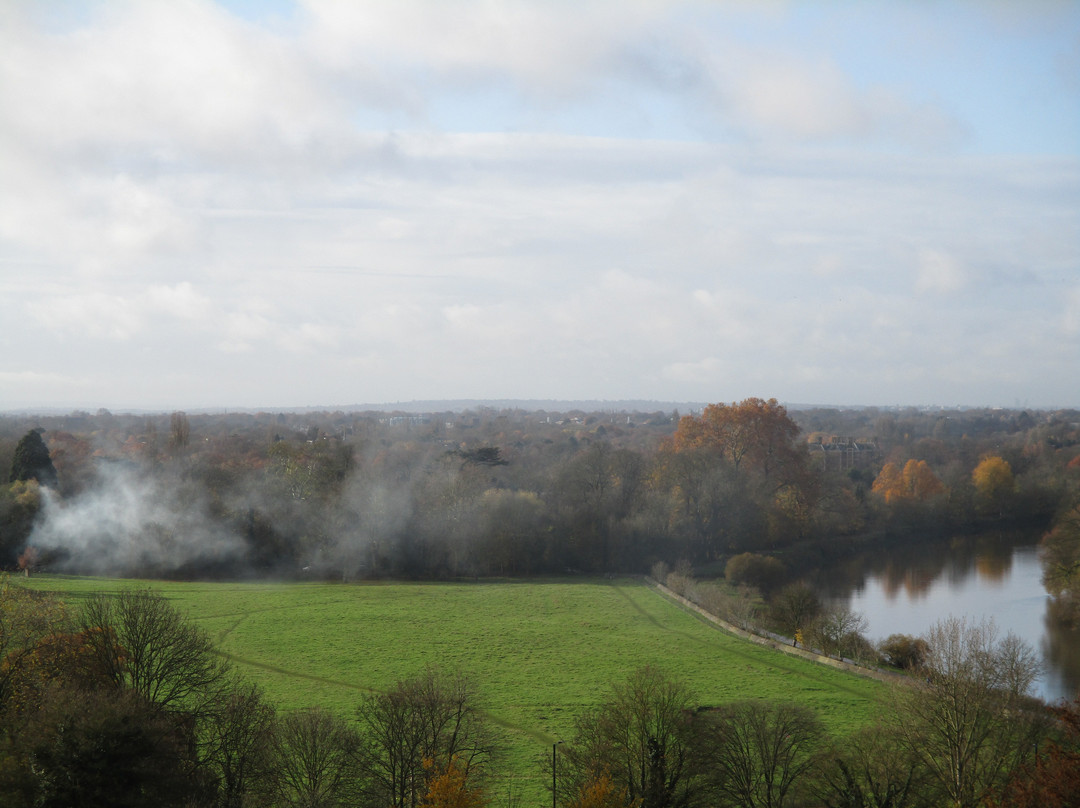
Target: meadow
[540, 653]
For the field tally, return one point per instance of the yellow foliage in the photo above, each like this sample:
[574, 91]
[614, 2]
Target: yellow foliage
[993, 476]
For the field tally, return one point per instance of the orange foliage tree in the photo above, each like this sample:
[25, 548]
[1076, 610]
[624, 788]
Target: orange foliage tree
[759, 433]
[916, 482]
[452, 788]
[601, 792]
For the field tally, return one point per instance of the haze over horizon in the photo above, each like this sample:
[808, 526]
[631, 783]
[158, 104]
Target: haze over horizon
[242, 204]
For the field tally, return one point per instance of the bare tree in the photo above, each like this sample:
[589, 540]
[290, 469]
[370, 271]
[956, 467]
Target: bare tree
[838, 629]
[643, 737]
[237, 743]
[971, 721]
[756, 752]
[314, 759]
[416, 730]
[872, 769]
[148, 646]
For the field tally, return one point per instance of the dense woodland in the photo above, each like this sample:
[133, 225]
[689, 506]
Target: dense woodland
[516, 493]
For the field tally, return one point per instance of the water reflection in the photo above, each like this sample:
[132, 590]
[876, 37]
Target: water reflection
[905, 589]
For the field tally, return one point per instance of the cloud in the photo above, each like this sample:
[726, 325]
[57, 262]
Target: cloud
[381, 200]
[940, 273]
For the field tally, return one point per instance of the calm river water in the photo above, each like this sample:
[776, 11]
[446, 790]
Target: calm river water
[905, 591]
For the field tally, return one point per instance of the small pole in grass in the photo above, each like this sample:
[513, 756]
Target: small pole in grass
[553, 747]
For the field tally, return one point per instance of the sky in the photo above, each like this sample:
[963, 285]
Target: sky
[252, 204]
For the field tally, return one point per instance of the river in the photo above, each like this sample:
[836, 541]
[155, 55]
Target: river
[907, 589]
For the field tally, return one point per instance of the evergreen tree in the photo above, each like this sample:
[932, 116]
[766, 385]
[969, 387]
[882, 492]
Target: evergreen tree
[32, 461]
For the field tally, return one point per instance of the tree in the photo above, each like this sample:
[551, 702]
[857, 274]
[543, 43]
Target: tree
[1054, 778]
[179, 430]
[414, 731]
[237, 742]
[904, 651]
[26, 618]
[106, 747]
[756, 431]
[968, 721]
[762, 572]
[994, 485]
[915, 483]
[32, 461]
[20, 503]
[314, 760]
[756, 752]
[451, 789]
[764, 470]
[600, 792]
[838, 631]
[794, 608]
[148, 646]
[872, 769]
[642, 737]
[1061, 563]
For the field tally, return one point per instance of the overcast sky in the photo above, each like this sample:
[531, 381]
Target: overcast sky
[276, 204]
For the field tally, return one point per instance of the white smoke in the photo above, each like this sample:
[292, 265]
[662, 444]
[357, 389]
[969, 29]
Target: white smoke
[131, 523]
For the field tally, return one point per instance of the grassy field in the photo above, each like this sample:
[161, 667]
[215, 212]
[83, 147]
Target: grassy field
[540, 653]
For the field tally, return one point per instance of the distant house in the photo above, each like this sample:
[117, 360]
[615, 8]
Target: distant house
[841, 454]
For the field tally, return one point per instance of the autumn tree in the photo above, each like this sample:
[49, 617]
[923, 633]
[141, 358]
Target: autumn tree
[916, 482]
[994, 485]
[756, 432]
[414, 731]
[904, 651]
[755, 442]
[451, 788]
[26, 619]
[20, 503]
[601, 792]
[179, 430]
[108, 747]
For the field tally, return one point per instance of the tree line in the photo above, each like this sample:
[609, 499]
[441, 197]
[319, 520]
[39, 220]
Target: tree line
[122, 702]
[514, 493]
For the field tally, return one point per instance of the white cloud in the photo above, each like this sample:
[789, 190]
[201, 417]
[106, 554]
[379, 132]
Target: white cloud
[939, 272]
[178, 184]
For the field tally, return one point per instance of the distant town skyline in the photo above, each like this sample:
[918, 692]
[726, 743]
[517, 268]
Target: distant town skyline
[212, 205]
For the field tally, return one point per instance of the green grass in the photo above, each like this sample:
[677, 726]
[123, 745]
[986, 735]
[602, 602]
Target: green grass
[540, 653]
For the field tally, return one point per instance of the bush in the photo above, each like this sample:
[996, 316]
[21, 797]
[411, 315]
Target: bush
[763, 572]
[659, 572]
[904, 651]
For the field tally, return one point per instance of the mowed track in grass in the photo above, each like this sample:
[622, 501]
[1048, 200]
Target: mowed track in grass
[539, 653]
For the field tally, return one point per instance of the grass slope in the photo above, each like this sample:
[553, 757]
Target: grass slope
[540, 653]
